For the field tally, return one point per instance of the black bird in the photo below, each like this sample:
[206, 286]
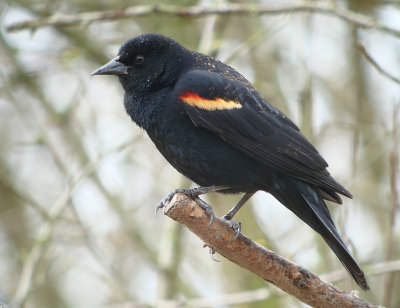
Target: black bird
[215, 128]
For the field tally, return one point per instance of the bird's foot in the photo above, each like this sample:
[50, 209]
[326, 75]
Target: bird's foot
[235, 225]
[193, 193]
[169, 197]
[207, 208]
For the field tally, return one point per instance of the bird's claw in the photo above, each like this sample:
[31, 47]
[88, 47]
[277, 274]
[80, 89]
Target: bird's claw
[193, 194]
[212, 252]
[207, 208]
[235, 225]
[164, 201]
[160, 205]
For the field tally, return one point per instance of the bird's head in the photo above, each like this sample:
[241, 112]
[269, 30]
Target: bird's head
[146, 61]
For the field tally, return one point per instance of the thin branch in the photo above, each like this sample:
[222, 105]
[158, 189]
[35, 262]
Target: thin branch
[114, 278]
[394, 211]
[21, 196]
[371, 270]
[375, 64]
[357, 19]
[45, 232]
[283, 273]
[35, 254]
[220, 300]
[230, 299]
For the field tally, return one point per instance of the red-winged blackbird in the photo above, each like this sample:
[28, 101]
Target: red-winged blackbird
[215, 128]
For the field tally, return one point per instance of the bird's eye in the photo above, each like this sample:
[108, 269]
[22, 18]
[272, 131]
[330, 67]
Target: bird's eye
[139, 59]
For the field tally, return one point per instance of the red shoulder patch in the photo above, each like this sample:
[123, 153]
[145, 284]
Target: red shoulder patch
[195, 100]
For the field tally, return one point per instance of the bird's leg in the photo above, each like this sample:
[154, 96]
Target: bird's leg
[228, 216]
[238, 206]
[194, 194]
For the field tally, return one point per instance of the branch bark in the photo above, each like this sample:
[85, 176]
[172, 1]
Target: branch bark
[357, 19]
[273, 268]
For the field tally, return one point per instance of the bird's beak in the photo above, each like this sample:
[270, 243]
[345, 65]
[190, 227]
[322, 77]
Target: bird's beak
[114, 67]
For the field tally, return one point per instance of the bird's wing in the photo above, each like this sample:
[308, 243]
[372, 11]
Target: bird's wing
[241, 117]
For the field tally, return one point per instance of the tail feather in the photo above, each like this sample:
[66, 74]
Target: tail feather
[329, 233]
[308, 205]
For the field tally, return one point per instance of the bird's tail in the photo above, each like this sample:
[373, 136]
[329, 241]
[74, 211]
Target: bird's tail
[303, 200]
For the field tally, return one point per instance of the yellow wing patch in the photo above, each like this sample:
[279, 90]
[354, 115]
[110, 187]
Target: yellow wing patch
[195, 100]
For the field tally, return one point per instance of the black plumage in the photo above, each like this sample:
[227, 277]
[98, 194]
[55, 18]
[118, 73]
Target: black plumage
[214, 127]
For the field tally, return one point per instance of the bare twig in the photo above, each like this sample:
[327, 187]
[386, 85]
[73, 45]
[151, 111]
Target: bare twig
[394, 194]
[35, 254]
[371, 60]
[114, 277]
[46, 230]
[357, 19]
[230, 299]
[370, 270]
[220, 300]
[22, 196]
[283, 273]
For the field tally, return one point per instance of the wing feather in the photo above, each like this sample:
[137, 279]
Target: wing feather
[256, 128]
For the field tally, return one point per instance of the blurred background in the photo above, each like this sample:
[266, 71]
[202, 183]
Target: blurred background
[79, 182]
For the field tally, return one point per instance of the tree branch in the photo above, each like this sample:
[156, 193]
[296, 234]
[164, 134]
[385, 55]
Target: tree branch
[357, 19]
[375, 64]
[283, 273]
